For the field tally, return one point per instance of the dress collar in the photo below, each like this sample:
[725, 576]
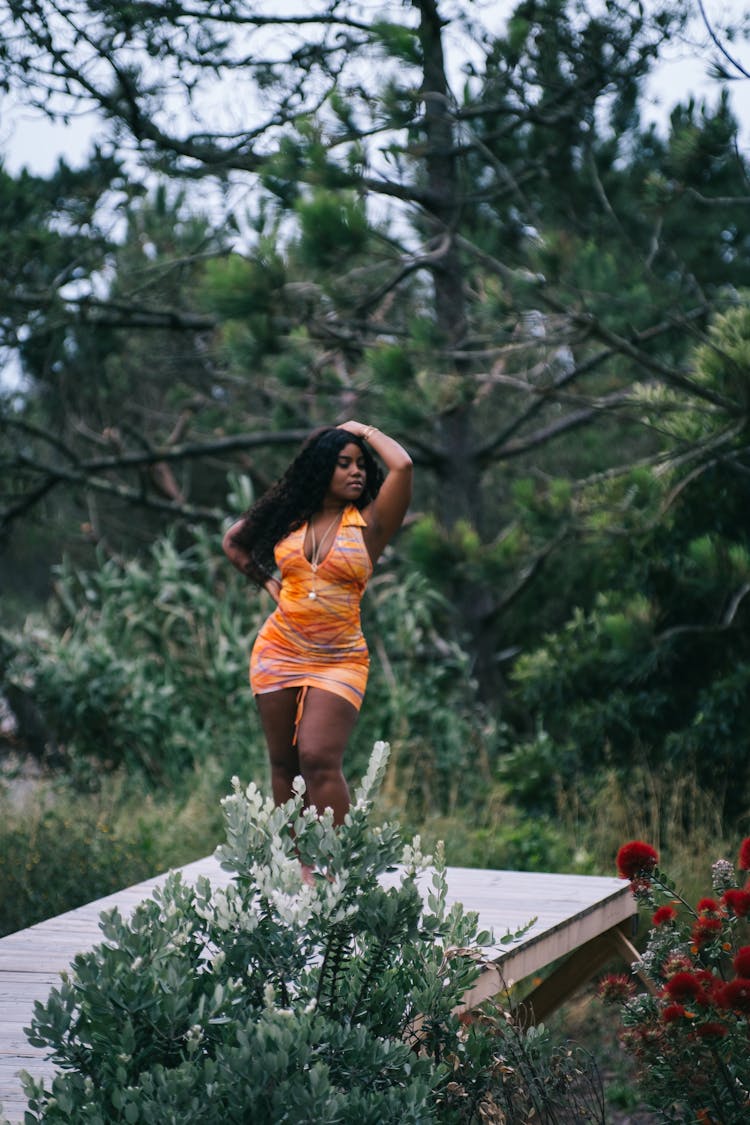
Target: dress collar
[352, 517]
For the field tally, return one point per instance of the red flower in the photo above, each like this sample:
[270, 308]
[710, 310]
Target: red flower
[664, 915]
[742, 962]
[736, 995]
[673, 1012]
[683, 986]
[711, 1030]
[705, 929]
[707, 906]
[738, 902]
[615, 988]
[675, 963]
[708, 986]
[636, 858]
[744, 860]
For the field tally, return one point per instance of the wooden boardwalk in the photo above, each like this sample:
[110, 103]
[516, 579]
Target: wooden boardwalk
[584, 919]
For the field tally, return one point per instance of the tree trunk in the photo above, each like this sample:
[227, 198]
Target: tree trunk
[460, 476]
[460, 492]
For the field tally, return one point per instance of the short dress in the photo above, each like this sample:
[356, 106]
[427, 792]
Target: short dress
[314, 636]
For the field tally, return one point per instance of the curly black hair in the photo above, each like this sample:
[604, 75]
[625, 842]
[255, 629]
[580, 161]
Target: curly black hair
[297, 495]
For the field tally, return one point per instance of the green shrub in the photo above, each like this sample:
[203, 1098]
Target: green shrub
[500, 837]
[278, 999]
[423, 700]
[144, 666]
[60, 857]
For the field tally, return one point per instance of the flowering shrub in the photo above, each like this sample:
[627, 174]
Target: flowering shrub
[277, 999]
[690, 1029]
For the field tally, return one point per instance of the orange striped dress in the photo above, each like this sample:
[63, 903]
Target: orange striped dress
[317, 641]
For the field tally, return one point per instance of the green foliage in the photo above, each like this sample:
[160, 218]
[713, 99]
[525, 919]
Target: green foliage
[432, 548]
[59, 857]
[495, 834]
[423, 699]
[39, 252]
[332, 226]
[244, 293]
[723, 362]
[398, 42]
[274, 996]
[145, 666]
[63, 848]
[391, 365]
[237, 287]
[654, 655]
[461, 555]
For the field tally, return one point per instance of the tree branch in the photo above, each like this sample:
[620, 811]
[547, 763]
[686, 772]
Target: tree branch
[524, 580]
[614, 340]
[545, 434]
[88, 472]
[718, 44]
[138, 497]
[114, 314]
[726, 622]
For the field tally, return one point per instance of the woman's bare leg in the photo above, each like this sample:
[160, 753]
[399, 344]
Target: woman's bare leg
[326, 724]
[324, 730]
[278, 710]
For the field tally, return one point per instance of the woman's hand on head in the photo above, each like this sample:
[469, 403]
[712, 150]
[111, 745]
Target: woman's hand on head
[356, 428]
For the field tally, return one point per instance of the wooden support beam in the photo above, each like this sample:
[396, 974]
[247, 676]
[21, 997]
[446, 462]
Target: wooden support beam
[567, 978]
[576, 970]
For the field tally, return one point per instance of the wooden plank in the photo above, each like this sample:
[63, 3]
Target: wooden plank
[569, 911]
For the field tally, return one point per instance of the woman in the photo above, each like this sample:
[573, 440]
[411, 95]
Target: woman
[324, 525]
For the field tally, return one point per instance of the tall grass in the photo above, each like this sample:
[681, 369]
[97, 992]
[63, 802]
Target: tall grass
[62, 848]
[665, 807]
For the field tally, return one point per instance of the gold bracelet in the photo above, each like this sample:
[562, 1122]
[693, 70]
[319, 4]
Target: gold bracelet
[368, 433]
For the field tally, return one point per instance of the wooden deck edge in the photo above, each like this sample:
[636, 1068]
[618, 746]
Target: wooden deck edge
[513, 966]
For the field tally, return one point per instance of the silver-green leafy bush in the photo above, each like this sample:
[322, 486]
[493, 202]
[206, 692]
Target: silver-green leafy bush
[142, 664]
[277, 999]
[270, 1000]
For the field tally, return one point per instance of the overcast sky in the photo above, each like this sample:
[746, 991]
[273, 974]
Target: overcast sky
[28, 139]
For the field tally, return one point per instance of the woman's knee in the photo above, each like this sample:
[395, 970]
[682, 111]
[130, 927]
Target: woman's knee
[319, 759]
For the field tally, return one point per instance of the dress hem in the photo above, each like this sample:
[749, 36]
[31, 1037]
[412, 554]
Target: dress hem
[309, 683]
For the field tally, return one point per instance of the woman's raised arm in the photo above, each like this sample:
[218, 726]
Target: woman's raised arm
[386, 513]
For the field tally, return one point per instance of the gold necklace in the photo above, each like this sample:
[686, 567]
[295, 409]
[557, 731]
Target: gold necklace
[316, 552]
